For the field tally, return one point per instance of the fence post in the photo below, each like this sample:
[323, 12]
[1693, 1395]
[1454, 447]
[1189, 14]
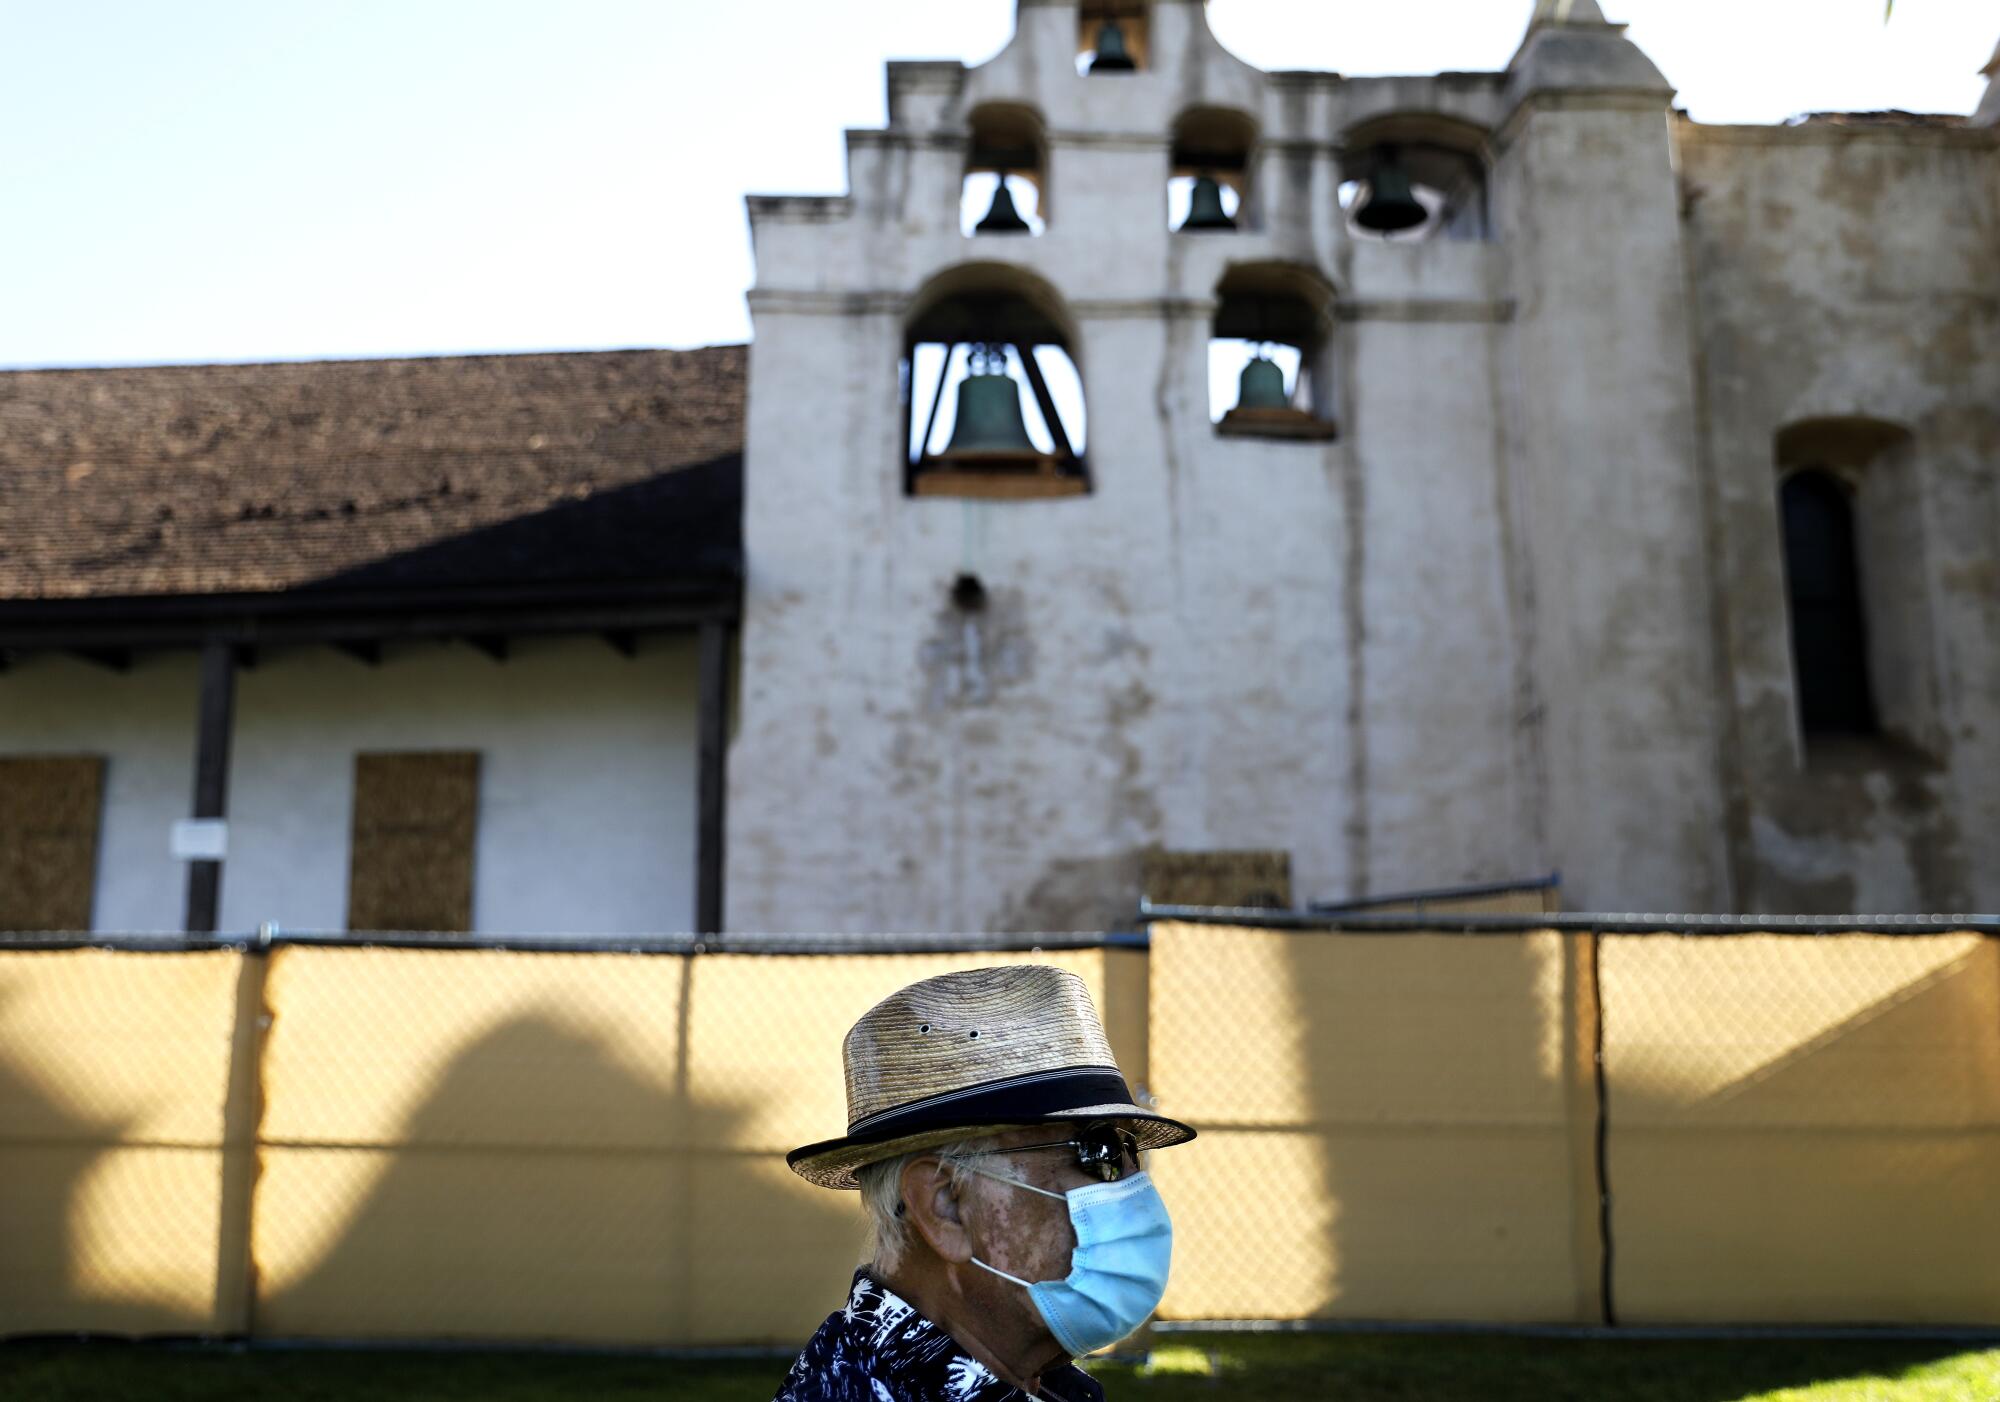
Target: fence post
[1607, 1305]
[1581, 1109]
[242, 1121]
[681, 1330]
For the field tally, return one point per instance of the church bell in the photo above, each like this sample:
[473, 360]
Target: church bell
[1205, 207]
[989, 417]
[1390, 206]
[1002, 217]
[1111, 56]
[1262, 386]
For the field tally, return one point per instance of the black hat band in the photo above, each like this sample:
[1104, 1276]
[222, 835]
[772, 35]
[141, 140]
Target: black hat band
[1013, 1100]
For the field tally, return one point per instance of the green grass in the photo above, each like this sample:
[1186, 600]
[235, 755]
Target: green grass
[1240, 1368]
[1406, 1368]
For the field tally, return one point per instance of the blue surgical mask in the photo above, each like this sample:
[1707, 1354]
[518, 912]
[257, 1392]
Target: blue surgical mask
[1118, 1271]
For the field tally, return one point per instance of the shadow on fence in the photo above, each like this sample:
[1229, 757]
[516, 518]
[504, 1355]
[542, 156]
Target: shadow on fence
[1402, 1119]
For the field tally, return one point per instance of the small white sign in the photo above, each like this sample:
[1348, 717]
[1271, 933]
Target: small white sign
[200, 839]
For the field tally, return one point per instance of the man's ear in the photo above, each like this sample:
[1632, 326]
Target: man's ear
[931, 1206]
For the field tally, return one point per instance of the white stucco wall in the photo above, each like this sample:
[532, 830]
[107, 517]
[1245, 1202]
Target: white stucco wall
[586, 780]
[142, 722]
[1851, 273]
[1231, 643]
[1525, 614]
[1601, 405]
[586, 788]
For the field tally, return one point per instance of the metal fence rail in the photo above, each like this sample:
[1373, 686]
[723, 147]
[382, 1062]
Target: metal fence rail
[675, 945]
[1355, 921]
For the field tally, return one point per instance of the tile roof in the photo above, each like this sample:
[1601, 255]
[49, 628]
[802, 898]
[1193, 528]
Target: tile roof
[546, 469]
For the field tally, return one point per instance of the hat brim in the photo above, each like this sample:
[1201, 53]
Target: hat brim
[831, 1162]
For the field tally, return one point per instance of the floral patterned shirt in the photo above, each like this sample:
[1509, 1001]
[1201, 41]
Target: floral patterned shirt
[877, 1348]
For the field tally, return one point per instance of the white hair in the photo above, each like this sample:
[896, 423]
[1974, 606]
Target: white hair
[882, 1192]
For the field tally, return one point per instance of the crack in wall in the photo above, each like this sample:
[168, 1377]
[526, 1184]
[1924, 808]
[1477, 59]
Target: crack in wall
[1354, 574]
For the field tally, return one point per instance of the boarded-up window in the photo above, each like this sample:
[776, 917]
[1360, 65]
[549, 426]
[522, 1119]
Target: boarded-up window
[1234, 879]
[48, 840]
[415, 816]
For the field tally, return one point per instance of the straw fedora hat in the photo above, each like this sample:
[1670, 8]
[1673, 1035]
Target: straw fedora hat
[976, 1052]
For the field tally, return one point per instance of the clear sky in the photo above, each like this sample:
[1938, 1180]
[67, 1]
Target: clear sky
[281, 179]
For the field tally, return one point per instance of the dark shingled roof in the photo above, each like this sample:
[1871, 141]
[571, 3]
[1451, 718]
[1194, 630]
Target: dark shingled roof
[376, 475]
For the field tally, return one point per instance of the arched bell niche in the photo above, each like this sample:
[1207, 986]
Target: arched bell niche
[1270, 353]
[992, 397]
[1005, 190]
[1208, 181]
[1112, 37]
[1413, 176]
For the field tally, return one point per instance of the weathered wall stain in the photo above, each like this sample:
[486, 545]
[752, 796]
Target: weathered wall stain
[1528, 612]
[973, 655]
[1134, 807]
[1353, 553]
[1075, 893]
[1811, 349]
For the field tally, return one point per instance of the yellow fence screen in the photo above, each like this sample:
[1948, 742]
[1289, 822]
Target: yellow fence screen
[589, 1147]
[448, 1143]
[117, 1145]
[1805, 1130]
[1388, 1126]
[370, 1142]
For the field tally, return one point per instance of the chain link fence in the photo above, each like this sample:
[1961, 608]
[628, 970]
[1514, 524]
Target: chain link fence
[443, 1139]
[1522, 1118]
[1555, 1119]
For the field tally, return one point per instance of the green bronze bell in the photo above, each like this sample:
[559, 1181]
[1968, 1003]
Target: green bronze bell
[1390, 206]
[1002, 217]
[1205, 207]
[1262, 386]
[989, 418]
[1111, 56]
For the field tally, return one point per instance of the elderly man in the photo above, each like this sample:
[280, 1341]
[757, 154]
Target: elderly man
[997, 1150]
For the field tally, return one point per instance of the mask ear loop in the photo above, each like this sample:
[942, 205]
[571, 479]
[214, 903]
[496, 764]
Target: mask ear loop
[1014, 1182]
[1024, 1284]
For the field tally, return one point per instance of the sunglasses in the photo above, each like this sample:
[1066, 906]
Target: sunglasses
[1103, 1151]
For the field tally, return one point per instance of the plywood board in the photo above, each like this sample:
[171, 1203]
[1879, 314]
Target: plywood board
[1229, 879]
[48, 840]
[415, 820]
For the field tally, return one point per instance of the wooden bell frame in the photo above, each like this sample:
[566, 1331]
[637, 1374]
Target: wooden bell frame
[1274, 303]
[975, 306]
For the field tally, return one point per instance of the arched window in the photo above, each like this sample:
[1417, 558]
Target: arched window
[1855, 555]
[992, 400]
[1413, 176]
[1823, 587]
[1006, 163]
[1209, 180]
[1269, 357]
[1111, 37]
